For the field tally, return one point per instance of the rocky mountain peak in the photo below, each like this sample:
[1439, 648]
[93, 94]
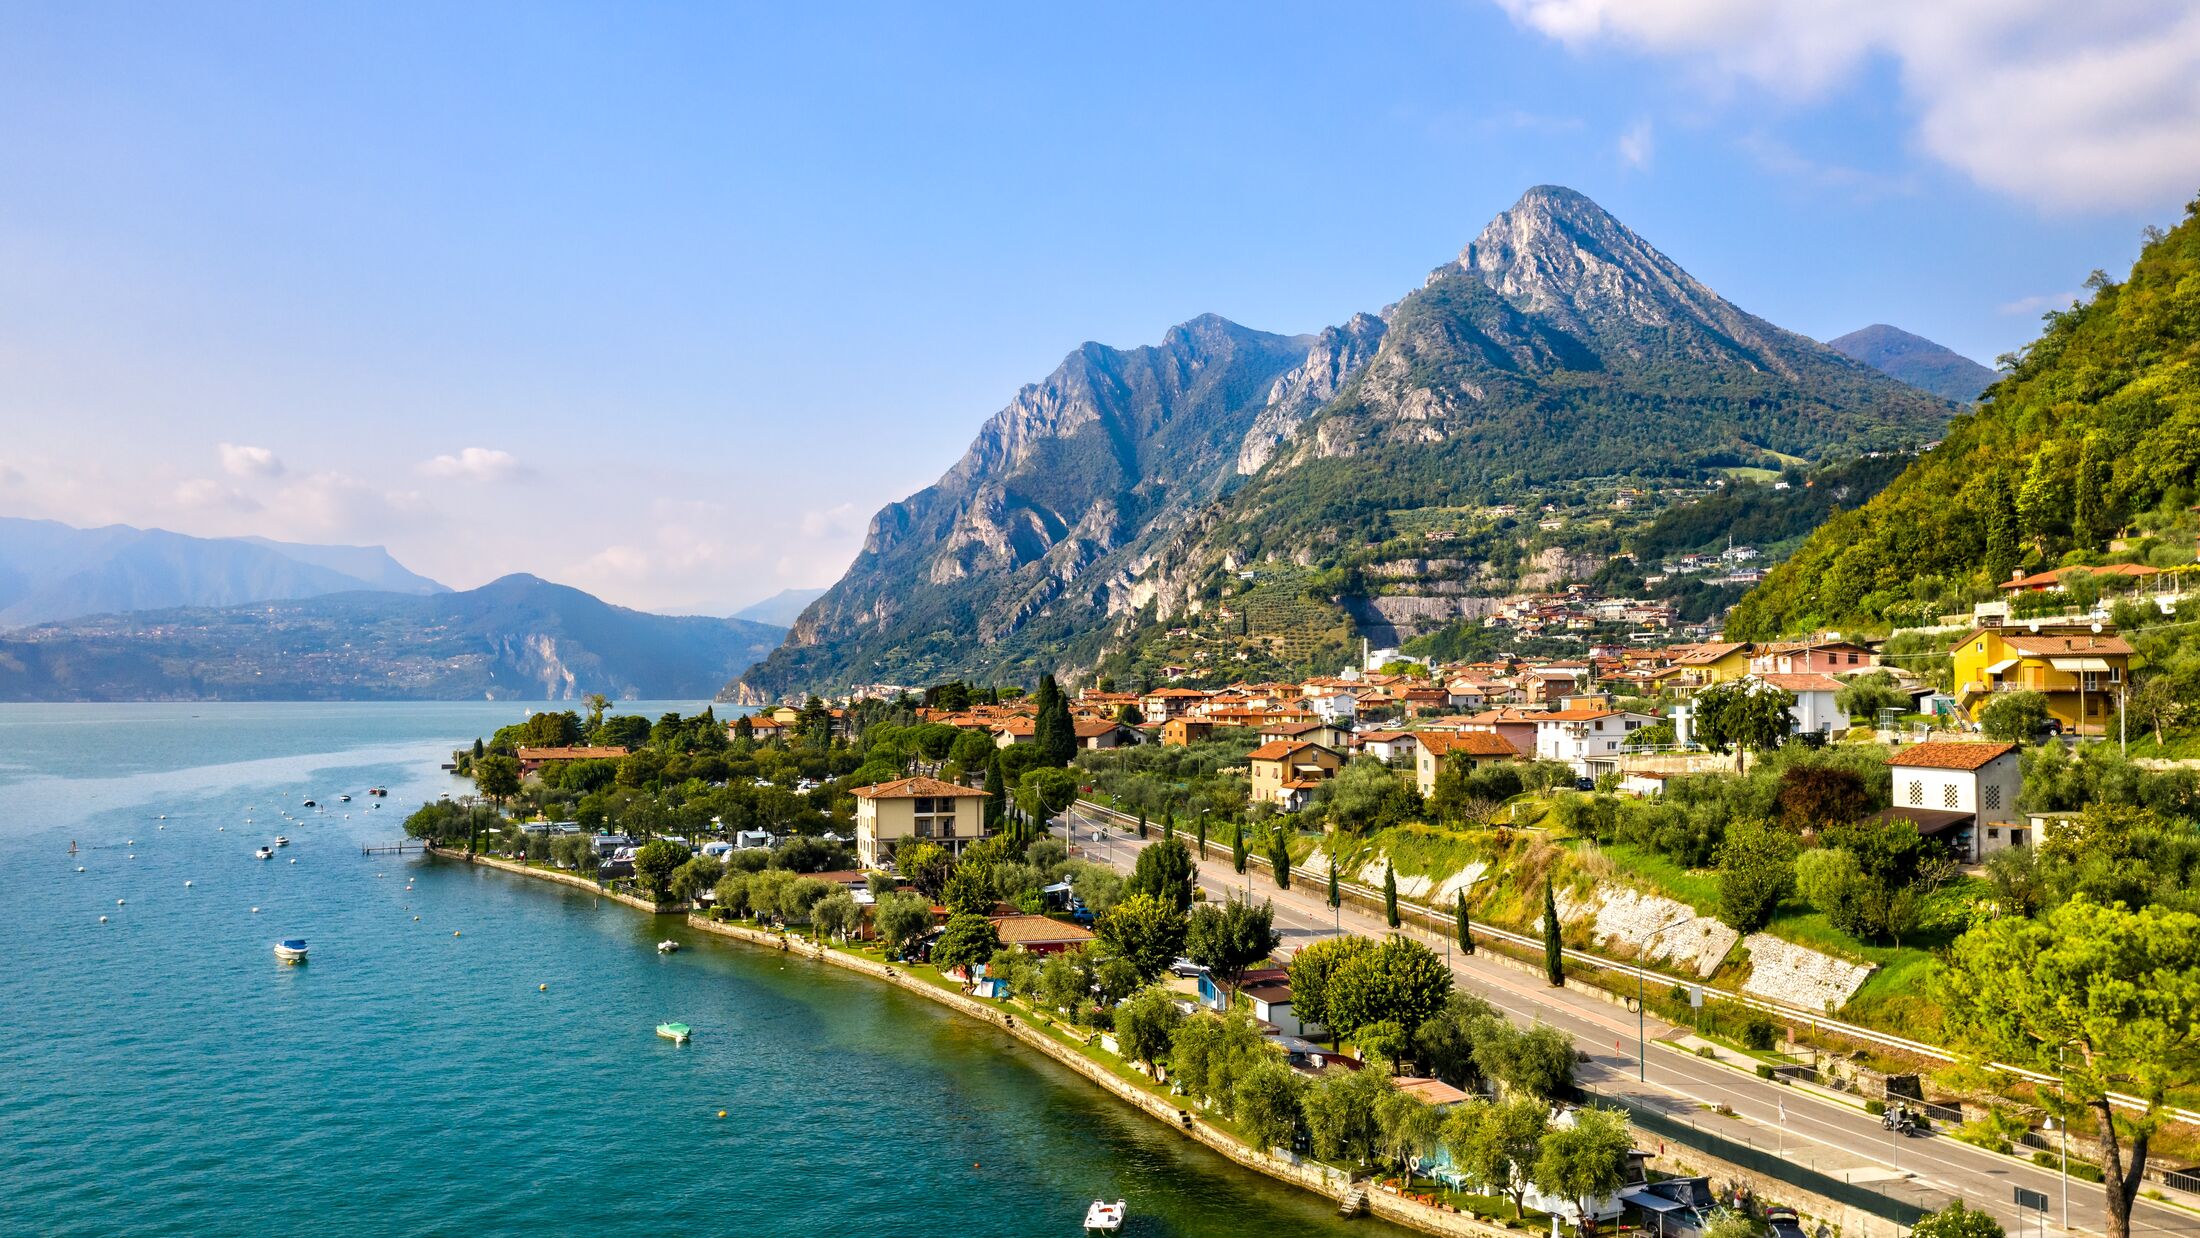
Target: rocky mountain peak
[1556, 252]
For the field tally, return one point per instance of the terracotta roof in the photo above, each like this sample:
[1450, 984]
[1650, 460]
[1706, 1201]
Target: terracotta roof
[1383, 737]
[1179, 692]
[2066, 646]
[1583, 714]
[1295, 728]
[1810, 681]
[1278, 750]
[570, 754]
[912, 788]
[1086, 730]
[1274, 992]
[1949, 754]
[1429, 1091]
[1702, 654]
[2042, 580]
[1030, 930]
[1017, 726]
[1473, 743]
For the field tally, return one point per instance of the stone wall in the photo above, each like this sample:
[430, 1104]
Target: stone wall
[1639, 921]
[1785, 972]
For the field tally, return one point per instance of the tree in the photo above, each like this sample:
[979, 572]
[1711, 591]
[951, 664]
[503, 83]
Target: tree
[1390, 895]
[926, 866]
[1335, 898]
[698, 874]
[2108, 996]
[2015, 717]
[1046, 791]
[1164, 871]
[901, 919]
[1279, 856]
[1168, 826]
[968, 891]
[654, 865]
[1867, 694]
[996, 791]
[1400, 980]
[597, 703]
[1145, 931]
[1497, 1145]
[1466, 933]
[1813, 796]
[1237, 847]
[1145, 1025]
[497, 778]
[1756, 871]
[836, 914]
[1957, 1221]
[1340, 1114]
[1201, 853]
[1743, 716]
[2159, 701]
[1142, 823]
[1228, 939]
[1445, 1043]
[1554, 946]
[1268, 1102]
[1586, 1161]
[1383, 1042]
[1533, 1061]
[1311, 970]
[1053, 733]
[1407, 1129]
[967, 940]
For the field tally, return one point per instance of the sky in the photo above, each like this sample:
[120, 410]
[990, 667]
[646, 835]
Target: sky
[664, 300]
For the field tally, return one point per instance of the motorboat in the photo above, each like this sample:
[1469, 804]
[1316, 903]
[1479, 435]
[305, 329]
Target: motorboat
[1105, 1218]
[668, 946]
[264, 853]
[378, 791]
[291, 950]
[282, 840]
[310, 804]
[677, 1033]
[346, 798]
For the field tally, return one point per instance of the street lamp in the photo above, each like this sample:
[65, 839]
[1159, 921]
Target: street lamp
[1642, 1035]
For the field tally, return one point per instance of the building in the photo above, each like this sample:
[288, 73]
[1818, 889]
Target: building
[1433, 748]
[1179, 732]
[1286, 771]
[1095, 733]
[1009, 732]
[1039, 934]
[1166, 703]
[1964, 794]
[1826, 657]
[532, 759]
[2081, 672]
[1389, 747]
[1814, 710]
[1326, 734]
[1717, 662]
[2043, 582]
[919, 809]
[1589, 739]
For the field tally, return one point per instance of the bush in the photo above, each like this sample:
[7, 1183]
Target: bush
[1758, 1030]
[1764, 1070]
[1875, 1107]
[2084, 1170]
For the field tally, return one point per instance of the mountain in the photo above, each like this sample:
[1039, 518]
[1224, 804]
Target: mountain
[1289, 492]
[516, 638]
[51, 571]
[781, 608]
[1917, 361]
[2094, 435]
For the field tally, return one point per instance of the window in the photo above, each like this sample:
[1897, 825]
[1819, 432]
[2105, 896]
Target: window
[2016, 838]
[1852, 659]
[1993, 832]
[1917, 793]
[1991, 796]
[1948, 796]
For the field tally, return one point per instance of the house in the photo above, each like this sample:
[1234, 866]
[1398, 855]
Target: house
[532, 759]
[1587, 739]
[1964, 794]
[753, 840]
[1179, 732]
[1435, 1093]
[763, 728]
[1476, 748]
[1039, 934]
[1326, 734]
[1093, 733]
[1389, 747]
[2042, 582]
[1715, 662]
[1286, 771]
[1334, 706]
[916, 809]
[1516, 725]
[1009, 732]
[1827, 657]
[1814, 695]
[2080, 671]
[1163, 704]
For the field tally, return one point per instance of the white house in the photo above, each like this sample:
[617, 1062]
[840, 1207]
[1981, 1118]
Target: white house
[1962, 793]
[1588, 739]
[1334, 706]
[1814, 693]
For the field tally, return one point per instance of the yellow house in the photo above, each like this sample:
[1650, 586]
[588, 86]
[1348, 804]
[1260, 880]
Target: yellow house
[919, 809]
[2081, 672]
[1712, 662]
[1285, 771]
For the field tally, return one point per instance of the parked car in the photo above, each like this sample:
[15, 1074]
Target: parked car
[1186, 969]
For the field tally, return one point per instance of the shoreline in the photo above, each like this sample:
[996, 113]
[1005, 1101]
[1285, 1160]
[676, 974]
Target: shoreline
[1310, 1176]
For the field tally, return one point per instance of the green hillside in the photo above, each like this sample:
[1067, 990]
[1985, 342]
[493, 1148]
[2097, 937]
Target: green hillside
[2092, 438]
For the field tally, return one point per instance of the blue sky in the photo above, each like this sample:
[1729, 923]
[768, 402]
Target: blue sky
[664, 301]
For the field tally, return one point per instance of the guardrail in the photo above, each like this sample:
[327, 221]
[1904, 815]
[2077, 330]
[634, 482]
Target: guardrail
[1818, 1021]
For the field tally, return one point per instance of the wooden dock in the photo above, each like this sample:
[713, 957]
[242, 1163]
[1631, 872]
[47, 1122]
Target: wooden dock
[407, 846]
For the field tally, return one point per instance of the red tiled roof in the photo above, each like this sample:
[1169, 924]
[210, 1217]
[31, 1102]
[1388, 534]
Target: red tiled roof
[1097, 726]
[1280, 749]
[1473, 743]
[1030, 930]
[1811, 681]
[2066, 646]
[912, 788]
[2044, 580]
[1949, 754]
[570, 754]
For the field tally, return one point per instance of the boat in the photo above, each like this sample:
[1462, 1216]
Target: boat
[282, 840]
[264, 853]
[378, 791]
[346, 798]
[310, 804]
[668, 946]
[291, 950]
[1104, 1217]
[677, 1033]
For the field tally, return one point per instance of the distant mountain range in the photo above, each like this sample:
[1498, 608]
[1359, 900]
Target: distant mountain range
[516, 638]
[781, 608]
[51, 571]
[1917, 361]
[1275, 485]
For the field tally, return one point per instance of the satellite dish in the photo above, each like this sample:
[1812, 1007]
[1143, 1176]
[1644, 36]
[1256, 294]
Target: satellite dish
[2035, 627]
[2096, 627]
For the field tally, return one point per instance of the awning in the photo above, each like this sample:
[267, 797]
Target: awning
[2079, 664]
[1650, 1201]
[2002, 667]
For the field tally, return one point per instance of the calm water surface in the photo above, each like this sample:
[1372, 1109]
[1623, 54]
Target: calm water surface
[162, 1074]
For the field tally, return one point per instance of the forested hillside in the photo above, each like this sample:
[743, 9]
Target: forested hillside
[2094, 435]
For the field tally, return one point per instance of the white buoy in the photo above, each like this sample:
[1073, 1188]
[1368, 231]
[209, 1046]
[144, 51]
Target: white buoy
[103, 919]
[131, 856]
[294, 859]
[164, 827]
[118, 902]
[255, 911]
[129, 842]
[220, 828]
[164, 816]
[80, 868]
[186, 885]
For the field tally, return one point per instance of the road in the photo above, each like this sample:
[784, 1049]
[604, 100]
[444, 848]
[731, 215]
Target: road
[1803, 1127]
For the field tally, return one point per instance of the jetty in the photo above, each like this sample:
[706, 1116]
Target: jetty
[405, 846]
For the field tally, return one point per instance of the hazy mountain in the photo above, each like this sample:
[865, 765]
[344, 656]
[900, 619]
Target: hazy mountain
[51, 571]
[516, 638]
[1113, 500]
[1917, 361]
[781, 608]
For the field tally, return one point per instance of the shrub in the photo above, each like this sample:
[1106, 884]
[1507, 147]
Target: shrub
[1875, 1107]
[1758, 1030]
[1764, 1070]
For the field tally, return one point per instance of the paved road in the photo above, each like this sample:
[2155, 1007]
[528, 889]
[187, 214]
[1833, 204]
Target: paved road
[1805, 1128]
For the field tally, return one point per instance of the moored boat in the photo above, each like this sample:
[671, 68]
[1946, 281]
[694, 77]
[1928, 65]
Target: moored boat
[264, 853]
[677, 1033]
[291, 950]
[282, 840]
[668, 946]
[1104, 1217]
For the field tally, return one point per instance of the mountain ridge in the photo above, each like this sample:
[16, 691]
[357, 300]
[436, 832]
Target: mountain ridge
[1917, 361]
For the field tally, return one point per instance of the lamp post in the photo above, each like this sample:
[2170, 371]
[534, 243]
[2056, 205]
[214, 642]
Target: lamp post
[1642, 1034]
[2064, 1133]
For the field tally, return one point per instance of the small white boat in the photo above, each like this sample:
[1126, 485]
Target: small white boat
[344, 798]
[1104, 1217]
[281, 841]
[291, 950]
[668, 946]
[677, 1033]
[264, 853]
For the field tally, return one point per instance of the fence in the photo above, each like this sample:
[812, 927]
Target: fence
[1877, 1199]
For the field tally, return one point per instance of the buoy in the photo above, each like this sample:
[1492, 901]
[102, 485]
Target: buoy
[454, 932]
[118, 902]
[131, 856]
[221, 828]
[103, 919]
[255, 911]
[80, 868]
[416, 919]
[721, 1113]
[294, 859]
[186, 885]
[542, 988]
[164, 827]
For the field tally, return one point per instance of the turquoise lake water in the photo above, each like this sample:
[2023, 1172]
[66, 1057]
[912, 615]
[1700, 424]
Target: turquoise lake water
[162, 1074]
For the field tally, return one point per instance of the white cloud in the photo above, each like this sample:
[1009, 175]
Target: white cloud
[1636, 145]
[2068, 105]
[1779, 158]
[10, 475]
[204, 494]
[474, 464]
[2041, 303]
[839, 521]
[242, 461]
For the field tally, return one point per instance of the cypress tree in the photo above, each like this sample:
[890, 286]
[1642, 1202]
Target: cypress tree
[1202, 853]
[1466, 938]
[1237, 848]
[1168, 825]
[1142, 823]
[1333, 896]
[1052, 730]
[1554, 956]
[1390, 894]
[996, 791]
[1279, 858]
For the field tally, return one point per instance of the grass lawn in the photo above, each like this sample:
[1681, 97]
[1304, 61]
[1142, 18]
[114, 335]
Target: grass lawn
[1699, 890]
[2183, 746]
